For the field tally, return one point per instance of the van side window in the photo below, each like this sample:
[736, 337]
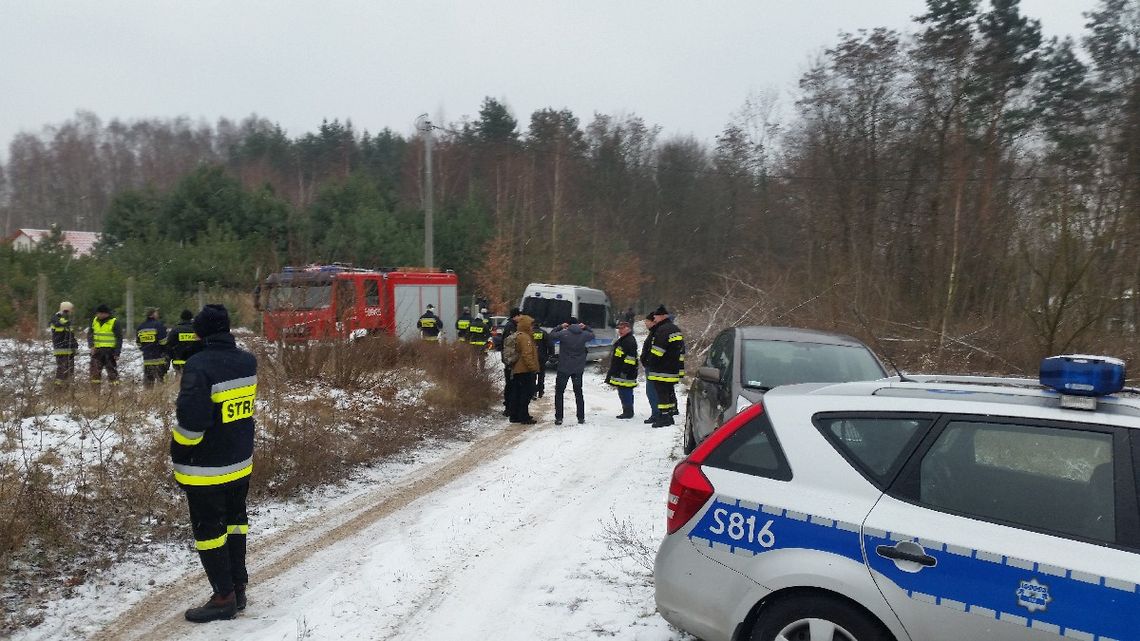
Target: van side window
[1046, 478]
[592, 314]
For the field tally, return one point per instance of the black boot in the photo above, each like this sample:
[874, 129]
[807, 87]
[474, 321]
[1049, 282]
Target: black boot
[239, 595]
[650, 420]
[216, 609]
[626, 412]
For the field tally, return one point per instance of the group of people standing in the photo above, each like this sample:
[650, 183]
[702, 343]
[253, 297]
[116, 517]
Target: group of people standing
[160, 347]
[527, 348]
[471, 330]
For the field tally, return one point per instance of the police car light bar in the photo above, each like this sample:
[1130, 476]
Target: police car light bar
[1080, 379]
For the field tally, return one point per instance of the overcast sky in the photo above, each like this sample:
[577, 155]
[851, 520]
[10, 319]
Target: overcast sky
[686, 66]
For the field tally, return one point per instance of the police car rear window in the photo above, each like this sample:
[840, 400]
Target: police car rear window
[877, 445]
[752, 449]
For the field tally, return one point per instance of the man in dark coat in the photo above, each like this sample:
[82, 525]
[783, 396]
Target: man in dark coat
[182, 342]
[150, 336]
[211, 447]
[462, 325]
[666, 358]
[545, 345]
[430, 325]
[623, 368]
[510, 327]
[573, 338]
[105, 339]
[650, 388]
[63, 343]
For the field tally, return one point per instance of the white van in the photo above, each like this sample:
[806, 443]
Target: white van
[552, 305]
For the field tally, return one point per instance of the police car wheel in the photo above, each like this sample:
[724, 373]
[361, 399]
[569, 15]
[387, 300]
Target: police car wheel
[816, 618]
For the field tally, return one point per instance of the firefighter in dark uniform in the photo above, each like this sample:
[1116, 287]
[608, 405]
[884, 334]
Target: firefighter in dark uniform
[182, 342]
[545, 345]
[106, 342]
[463, 324]
[479, 332]
[623, 367]
[150, 336]
[63, 343]
[211, 448]
[430, 325]
[663, 370]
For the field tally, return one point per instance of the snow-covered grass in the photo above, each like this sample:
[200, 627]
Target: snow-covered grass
[85, 484]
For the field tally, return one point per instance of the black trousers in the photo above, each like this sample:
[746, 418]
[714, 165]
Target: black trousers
[104, 358]
[153, 374]
[560, 387]
[522, 389]
[64, 367]
[666, 397]
[507, 385]
[220, 523]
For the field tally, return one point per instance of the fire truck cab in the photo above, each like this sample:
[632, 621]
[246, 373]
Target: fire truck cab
[340, 301]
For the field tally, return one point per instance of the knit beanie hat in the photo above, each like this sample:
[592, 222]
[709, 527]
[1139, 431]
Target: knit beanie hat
[661, 311]
[187, 315]
[102, 309]
[213, 319]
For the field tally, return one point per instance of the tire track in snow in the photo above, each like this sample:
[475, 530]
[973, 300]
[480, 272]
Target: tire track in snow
[159, 616]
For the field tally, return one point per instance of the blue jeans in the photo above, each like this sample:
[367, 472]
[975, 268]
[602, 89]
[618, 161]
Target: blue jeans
[651, 394]
[625, 395]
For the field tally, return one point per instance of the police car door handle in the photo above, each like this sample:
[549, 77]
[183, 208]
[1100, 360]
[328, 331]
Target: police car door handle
[907, 553]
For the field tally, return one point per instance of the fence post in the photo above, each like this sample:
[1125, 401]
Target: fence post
[41, 300]
[130, 313]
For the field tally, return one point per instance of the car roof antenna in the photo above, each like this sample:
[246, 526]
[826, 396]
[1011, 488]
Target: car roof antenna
[879, 346]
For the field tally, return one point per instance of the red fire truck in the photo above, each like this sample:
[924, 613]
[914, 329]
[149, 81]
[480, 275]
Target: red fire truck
[340, 301]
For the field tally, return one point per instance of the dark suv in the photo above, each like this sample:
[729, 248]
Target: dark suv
[745, 362]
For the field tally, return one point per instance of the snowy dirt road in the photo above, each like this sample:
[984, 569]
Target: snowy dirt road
[536, 532]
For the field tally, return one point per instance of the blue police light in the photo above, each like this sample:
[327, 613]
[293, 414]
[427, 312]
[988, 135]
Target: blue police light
[1082, 375]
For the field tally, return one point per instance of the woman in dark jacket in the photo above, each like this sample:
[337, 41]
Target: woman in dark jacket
[623, 368]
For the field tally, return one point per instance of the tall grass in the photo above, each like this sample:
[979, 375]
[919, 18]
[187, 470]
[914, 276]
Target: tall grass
[85, 473]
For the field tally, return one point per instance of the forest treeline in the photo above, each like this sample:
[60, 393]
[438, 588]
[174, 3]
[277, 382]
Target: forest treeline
[966, 173]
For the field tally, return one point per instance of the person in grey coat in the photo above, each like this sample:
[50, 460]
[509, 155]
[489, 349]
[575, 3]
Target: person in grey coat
[572, 337]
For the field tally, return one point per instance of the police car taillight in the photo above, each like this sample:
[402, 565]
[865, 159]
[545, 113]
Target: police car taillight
[690, 489]
[1080, 379]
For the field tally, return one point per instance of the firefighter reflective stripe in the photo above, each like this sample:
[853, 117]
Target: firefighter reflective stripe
[619, 352]
[666, 406]
[186, 337]
[155, 361]
[63, 352]
[657, 351]
[662, 377]
[198, 475]
[237, 398]
[211, 544]
[227, 390]
[462, 324]
[237, 529]
[536, 336]
[676, 336]
[183, 436]
[427, 323]
[629, 360]
[103, 333]
[55, 328]
[178, 361]
[621, 382]
[148, 335]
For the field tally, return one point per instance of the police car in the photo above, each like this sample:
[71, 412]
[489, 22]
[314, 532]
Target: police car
[920, 507]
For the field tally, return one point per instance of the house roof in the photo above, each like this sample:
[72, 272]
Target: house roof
[82, 241]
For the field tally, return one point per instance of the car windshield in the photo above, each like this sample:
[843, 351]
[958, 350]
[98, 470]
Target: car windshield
[299, 296]
[766, 364]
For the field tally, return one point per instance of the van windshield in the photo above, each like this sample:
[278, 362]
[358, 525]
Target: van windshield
[547, 312]
[306, 296]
